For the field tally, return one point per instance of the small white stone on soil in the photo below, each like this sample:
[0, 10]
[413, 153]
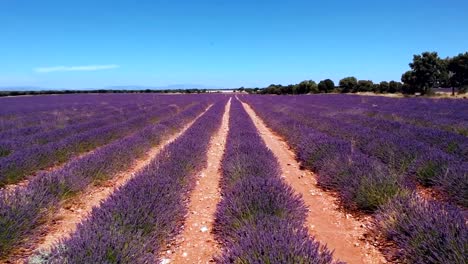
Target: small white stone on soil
[165, 261]
[184, 254]
[204, 229]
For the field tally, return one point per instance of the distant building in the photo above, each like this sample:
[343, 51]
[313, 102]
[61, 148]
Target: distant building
[220, 90]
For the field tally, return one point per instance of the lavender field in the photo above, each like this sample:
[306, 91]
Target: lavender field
[109, 178]
[378, 154]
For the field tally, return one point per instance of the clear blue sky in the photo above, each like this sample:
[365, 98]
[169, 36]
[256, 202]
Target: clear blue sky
[91, 43]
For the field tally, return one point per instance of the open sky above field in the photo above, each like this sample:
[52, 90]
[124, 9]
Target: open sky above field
[94, 44]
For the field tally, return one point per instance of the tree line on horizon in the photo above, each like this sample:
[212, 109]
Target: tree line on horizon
[427, 71]
[46, 92]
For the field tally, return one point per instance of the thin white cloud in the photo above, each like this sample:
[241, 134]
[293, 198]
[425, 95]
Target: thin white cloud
[76, 68]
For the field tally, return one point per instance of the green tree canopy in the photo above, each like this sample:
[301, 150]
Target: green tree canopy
[307, 86]
[348, 84]
[394, 87]
[326, 86]
[427, 70]
[458, 68]
[410, 84]
[384, 87]
[364, 86]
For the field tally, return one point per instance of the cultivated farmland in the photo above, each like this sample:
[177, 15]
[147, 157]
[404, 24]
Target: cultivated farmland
[226, 178]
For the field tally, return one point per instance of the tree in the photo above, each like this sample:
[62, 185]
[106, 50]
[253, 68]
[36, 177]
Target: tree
[326, 86]
[444, 79]
[458, 68]
[363, 86]
[313, 87]
[272, 89]
[384, 87]
[394, 87]
[409, 82]
[307, 86]
[427, 71]
[288, 89]
[348, 84]
[375, 87]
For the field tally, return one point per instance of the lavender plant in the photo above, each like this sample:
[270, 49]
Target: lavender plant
[426, 231]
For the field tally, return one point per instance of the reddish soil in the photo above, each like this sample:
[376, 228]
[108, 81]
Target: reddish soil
[341, 232]
[196, 244]
[430, 193]
[71, 212]
[12, 187]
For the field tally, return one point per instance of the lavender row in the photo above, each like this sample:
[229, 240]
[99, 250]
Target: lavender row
[446, 114]
[48, 112]
[363, 182]
[63, 118]
[135, 223]
[430, 113]
[411, 141]
[429, 166]
[41, 122]
[69, 118]
[430, 110]
[23, 106]
[22, 163]
[259, 219]
[25, 207]
[426, 232]
[52, 115]
[55, 116]
[17, 143]
[451, 143]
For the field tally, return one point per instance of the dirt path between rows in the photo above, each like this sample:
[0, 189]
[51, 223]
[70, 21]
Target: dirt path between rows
[71, 212]
[339, 231]
[196, 244]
